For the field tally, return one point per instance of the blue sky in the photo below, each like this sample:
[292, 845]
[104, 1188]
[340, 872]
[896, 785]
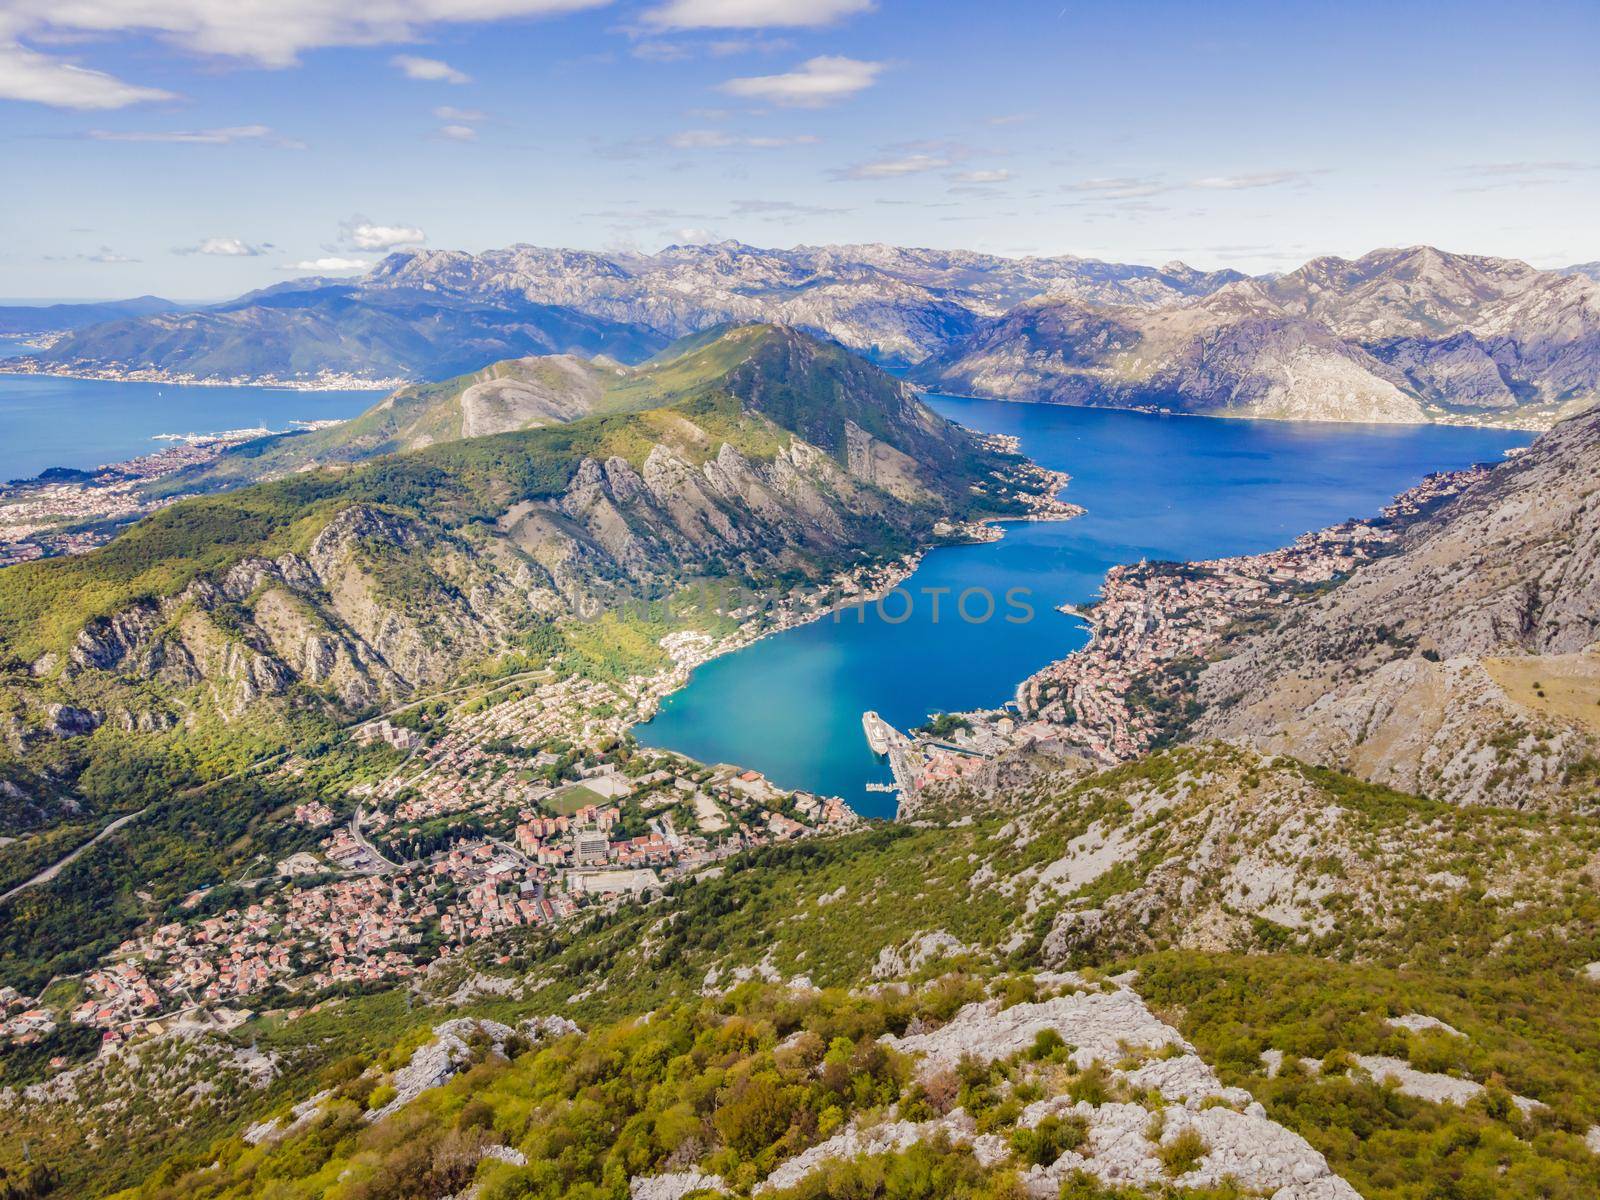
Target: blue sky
[198, 148]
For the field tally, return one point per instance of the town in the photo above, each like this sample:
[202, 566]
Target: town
[517, 807]
[322, 381]
[1114, 699]
[451, 849]
[54, 515]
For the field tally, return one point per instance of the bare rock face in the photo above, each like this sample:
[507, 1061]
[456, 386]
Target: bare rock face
[1233, 354]
[1424, 670]
[1458, 371]
[551, 389]
[1396, 336]
[67, 721]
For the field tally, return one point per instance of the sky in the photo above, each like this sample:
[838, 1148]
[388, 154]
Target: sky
[200, 148]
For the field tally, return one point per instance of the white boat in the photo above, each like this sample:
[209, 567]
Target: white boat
[881, 735]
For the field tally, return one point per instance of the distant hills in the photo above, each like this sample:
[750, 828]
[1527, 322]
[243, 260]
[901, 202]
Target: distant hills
[56, 318]
[435, 313]
[1399, 335]
[303, 331]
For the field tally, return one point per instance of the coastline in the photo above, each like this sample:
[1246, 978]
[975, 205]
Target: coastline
[327, 381]
[699, 648]
[1150, 620]
[1537, 423]
[65, 511]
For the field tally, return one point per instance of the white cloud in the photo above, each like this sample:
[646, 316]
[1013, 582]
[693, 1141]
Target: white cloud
[1230, 183]
[664, 52]
[224, 247]
[428, 70]
[196, 137]
[717, 139]
[271, 34]
[28, 75]
[446, 112]
[366, 235]
[268, 33]
[458, 133]
[727, 47]
[998, 175]
[107, 255]
[326, 264]
[818, 81]
[782, 209]
[1120, 187]
[893, 168]
[752, 14]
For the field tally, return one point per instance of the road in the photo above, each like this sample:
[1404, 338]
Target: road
[361, 840]
[55, 868]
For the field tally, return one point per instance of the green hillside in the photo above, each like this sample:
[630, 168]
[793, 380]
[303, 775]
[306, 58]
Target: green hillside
[678, 1066]
[752, 388]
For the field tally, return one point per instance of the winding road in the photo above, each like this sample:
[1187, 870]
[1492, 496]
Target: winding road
[55, 868]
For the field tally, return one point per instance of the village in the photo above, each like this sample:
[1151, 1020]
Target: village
[517, 814]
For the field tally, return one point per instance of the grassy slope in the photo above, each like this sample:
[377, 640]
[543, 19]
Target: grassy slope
[44, 604]
[1532, 1027]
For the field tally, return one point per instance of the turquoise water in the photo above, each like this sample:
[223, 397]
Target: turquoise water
[1155, 487]
[50, 422]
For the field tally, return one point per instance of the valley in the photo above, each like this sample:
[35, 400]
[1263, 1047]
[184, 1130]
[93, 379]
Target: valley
[1398, 335]
[509, 841]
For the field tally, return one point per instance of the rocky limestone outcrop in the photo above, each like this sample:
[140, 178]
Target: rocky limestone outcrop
[1396, 336]
[452, 1048]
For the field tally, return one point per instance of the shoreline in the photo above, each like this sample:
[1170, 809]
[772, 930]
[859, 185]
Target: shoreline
[678, 677]
[1543, 424]
[325, 382]
[65, 511]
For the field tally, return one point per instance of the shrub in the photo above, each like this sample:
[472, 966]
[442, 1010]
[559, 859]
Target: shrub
[1183, 1153]
[1049, 1139]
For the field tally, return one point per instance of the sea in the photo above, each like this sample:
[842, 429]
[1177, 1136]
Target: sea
[47, 421]
[967, 627]
[1155, 487]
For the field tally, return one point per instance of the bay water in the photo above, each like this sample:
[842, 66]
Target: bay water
[1155, 487]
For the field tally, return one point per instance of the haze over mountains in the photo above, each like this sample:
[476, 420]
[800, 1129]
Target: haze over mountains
[56, 318]
[1398, 335]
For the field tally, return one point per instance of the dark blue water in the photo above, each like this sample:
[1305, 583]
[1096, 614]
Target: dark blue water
[1155, 487]
[47, 422]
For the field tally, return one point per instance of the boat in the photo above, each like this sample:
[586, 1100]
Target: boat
[881, 735]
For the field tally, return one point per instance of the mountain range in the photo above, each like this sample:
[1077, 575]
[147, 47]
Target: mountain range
[57, 318]
[1397, 335]
[1343, 942]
